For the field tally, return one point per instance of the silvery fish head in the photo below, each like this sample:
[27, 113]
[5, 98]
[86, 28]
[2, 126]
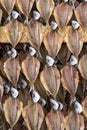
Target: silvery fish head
[54, 104]
[14, 92]
[54, 25]
[15, 14]
[36, 15]
[73, 60]
[32, 51]
[77, 107]
[49, 60]
[75, 24]
[35, 96]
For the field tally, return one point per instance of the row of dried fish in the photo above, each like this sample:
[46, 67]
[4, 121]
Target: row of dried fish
[35, 116]
[35, 34]
[46, 11]
[50, 76]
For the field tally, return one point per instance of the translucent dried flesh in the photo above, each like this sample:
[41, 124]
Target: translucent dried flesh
[81, 14]
[50, 78]
[30, 67]
[8, 5]
[64, 17]
[84, 104]
[74, 122]
[33, 116]
[14, 32]
[25, 6]
[12, 69]
[35, 33]
[45, 7]
[1, 89]
[83, 66]
[12, 109]
[74, 41]
[53, 42]
[70, 79]
[55, 120]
